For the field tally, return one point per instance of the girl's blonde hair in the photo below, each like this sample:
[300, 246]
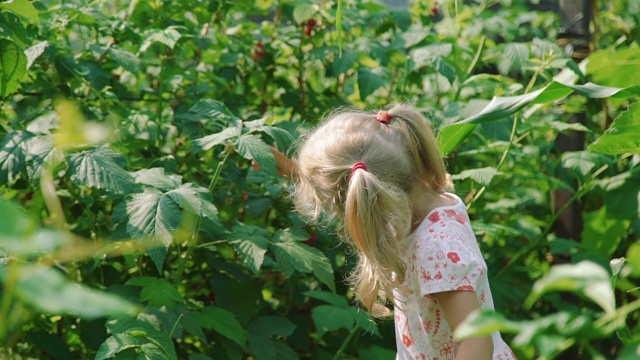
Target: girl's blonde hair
[373, 205]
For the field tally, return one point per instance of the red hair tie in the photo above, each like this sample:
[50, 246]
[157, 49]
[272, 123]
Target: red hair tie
[384, 117]
[358, 165]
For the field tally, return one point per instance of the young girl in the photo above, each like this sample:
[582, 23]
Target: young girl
[384, 179]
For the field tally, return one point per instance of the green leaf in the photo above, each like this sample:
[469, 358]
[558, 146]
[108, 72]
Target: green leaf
[584, 278]
[282, 137]
[451, 136]
[623, 194]
[603, 232]
[98, 168]
[514, 56]
[223, 322]
[213, 109]
[623, 136]
[12, 27]
[583, 162]
[13, 67]
[630, 352]
[331, 298]
[14, 224]
[156, 177]
[149, 216]
[157, 292]
[482, 176]
[22, 8]
[194, 198]
[303, 12]
[612, 67]
[49, 292]
[13, 155]
[345, 62]
[127, 60]
[212, 140]
[34, 52]
[168, 37]
[329, 318]
[253, 148]
[118, 343]
[428, 55]
[364, 321]
[292, 254]
[482, 323]
[51, 344]
[369, 80]
[633, 258]
[251, 244]
[413, 36]
[271, 326]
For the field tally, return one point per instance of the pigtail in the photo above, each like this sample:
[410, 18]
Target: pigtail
[377, 216]
[422, 145]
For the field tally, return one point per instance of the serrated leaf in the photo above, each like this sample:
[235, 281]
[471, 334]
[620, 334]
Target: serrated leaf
[13, 67]
[157, 292]
[195, 199]
[118, 343]
[482, 176]
[127, 60]
[451, 136]
[623, 194]
[22, 8]
[271, 326]
[263, 347]
[413, 36]
[156, 177]
[168, 37]
[34, 52]
[612, 67]
[251, 147]
[98, 168]
[49, 292]
[514, 56]
[13, 155]
[583, 162]
[364, 321]
[369, 80]
[149, 216]
[251, 244]
[212, 140]
[295, 255]
[329, 318]
[427, 55]
[623, 136]
[223, 322]
[210, 108]
[584, 278]
[282, 137]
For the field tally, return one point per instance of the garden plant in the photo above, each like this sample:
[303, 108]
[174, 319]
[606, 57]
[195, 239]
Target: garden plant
[141, 216]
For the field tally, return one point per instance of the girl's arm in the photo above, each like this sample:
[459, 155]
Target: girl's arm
[286, 167]
[457, 305]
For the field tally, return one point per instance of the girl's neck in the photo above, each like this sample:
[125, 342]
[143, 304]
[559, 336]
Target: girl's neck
[423, 201]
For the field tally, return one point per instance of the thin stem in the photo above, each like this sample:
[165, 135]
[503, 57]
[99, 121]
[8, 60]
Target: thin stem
[346, 342]
[194, 235]
[175, 326]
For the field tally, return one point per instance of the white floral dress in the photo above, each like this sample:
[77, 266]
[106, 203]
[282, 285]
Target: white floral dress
[441, 255]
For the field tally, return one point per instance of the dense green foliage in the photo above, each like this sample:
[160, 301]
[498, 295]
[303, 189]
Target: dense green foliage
[141, 214]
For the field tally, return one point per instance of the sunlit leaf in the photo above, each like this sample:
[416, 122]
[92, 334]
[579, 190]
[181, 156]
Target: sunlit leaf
[48, 291]
[13, 155]
[34, 52]
[168, 37]
[482, 176]
[127, 60]
[251, 243]
[23, 8]
[583, 162]
[623, 136]
[612, 67]
[13, 66]
[253, 147]
[483, 323]
[585, 278]
[157, 178]
[98, 168]
[304, 11]
[603, 232]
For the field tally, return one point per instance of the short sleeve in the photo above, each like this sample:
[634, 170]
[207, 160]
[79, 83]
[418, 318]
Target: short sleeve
[447, 257]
